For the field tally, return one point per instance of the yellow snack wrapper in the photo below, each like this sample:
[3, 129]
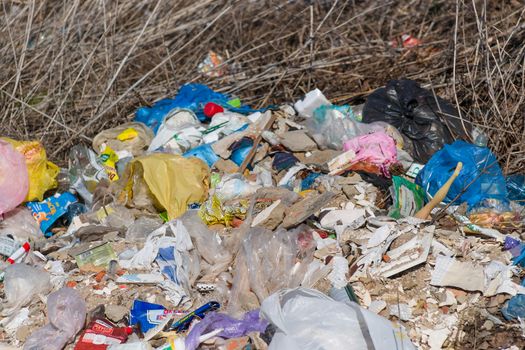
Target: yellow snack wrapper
[109, 158]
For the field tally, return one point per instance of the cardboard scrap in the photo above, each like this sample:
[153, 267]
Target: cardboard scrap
[450, 272]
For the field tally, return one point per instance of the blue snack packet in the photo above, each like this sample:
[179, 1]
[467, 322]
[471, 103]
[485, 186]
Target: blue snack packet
[149, 315]
[47, 212]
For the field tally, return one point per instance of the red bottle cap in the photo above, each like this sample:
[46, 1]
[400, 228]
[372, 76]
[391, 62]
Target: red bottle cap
[210, 109]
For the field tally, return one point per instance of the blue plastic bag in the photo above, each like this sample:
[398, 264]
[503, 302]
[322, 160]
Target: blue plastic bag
[190, 96]
[481, 173]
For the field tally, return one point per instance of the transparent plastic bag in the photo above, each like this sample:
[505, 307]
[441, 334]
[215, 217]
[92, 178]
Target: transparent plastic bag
[215, 258]
[142, 227]
[20, 223]
[330, 128]
[112, 215]
[516, 187]
[307, 319]
[85, 172]
[136, 143]
[275, 260]
[241, 297]
[66, 313]
[22, 284]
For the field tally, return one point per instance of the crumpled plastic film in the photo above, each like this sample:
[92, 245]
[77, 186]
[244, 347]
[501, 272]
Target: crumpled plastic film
[263, 273]
[122, 138]
[215, 212]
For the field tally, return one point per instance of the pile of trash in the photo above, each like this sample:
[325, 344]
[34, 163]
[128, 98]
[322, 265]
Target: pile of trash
[206, 224]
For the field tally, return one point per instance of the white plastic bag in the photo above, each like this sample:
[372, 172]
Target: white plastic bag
[307, 319]
[181, 126]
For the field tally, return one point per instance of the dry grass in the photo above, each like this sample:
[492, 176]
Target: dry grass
[72, 68]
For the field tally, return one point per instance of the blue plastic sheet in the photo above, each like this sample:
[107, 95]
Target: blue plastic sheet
[514, 308]
[203, 152]
[481, 177]
[309, 180]
[516, 187]
[240, 150]
[190, 96]
[284, 161]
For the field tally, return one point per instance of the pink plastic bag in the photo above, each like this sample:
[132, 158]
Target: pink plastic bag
[14, 180]
[376, 150]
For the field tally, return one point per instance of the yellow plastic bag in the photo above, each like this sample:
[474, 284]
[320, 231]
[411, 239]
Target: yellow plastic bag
[42, 173]
[172, 180]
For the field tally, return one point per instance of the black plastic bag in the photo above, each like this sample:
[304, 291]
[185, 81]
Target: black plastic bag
[415, 112]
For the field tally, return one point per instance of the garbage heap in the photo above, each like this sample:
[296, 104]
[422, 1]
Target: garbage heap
[206, 224]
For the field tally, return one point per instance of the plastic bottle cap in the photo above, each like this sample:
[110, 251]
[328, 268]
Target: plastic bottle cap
[210, 109]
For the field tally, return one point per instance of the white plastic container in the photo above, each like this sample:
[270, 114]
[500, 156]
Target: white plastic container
[311, 101]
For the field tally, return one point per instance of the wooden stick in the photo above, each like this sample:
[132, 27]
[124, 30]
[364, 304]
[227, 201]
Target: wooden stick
[256, 142]
[439, 196]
